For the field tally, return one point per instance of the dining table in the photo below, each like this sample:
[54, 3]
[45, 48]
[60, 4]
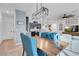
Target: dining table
[49, 47]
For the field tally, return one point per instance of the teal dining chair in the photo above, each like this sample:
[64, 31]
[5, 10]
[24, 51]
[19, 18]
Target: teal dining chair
[30, 46]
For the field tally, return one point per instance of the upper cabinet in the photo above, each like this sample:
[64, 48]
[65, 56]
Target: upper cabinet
[70, 21]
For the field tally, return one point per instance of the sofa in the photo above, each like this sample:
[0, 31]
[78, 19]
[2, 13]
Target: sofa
[52, 36]
[8, 47]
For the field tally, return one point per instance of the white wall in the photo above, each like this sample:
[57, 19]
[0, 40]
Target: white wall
[5, 8]
[8, 27]
[55, 21]
[5, 24]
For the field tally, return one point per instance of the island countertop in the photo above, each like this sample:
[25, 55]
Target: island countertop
[71, 33]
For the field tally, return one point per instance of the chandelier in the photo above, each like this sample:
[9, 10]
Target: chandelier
[40, 13]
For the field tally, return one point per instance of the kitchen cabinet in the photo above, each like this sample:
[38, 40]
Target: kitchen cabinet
[75, 44]
[70, 21]
[67, 38]
[70, 53]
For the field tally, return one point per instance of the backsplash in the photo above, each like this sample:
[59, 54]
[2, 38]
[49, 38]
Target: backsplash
[74, 28]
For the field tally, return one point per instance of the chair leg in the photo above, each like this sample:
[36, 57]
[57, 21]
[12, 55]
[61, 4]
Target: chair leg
[23, 52]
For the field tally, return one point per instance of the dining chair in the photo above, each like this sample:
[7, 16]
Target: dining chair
[30, 46]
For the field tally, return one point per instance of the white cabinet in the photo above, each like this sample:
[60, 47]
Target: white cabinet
[67, 52]
[75, 44]
[73, 48]
[70, 53]
[66, 38]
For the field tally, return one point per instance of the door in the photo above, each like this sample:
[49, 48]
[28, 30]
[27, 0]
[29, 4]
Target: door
[8, 27]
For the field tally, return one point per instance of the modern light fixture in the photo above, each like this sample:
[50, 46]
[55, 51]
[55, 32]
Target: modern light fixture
[40, 13]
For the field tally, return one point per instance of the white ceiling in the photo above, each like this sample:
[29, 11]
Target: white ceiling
[56, 10]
